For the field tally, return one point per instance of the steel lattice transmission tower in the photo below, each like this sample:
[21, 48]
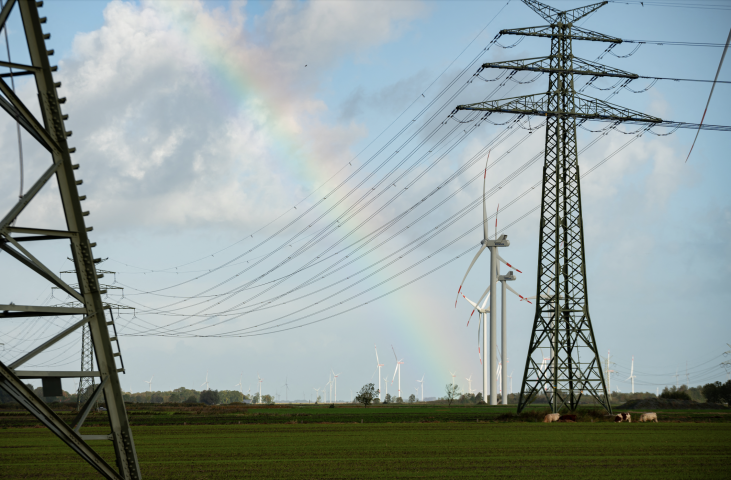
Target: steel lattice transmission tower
[87, 308]
[562, 323]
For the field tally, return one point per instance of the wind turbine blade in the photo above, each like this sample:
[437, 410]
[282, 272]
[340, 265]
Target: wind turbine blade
[506, 263]
[484, 296]
[394, 373]
[376, 348]
[521, 296]
[471, 302]
[394, 353]
[496, 213]
[484, 200]
[477, 255]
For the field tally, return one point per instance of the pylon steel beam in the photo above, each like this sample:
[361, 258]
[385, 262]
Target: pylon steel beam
[543, 64]
[50, 132]
[562, 322]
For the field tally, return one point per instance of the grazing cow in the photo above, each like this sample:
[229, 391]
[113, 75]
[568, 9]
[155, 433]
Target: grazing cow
[551, 417]
[648, 417]
[623, 417]
[567, 418]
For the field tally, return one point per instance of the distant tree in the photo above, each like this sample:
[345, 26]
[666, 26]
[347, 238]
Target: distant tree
[452, 392]
[376, 401]
[191, 399]
[174, 398]
[267, 399]
[717, 392]
[676, 393]
[156, 398]
[478, 398]
[399, 400]
[256, 398]
[412, 398]
[210, 397]
[319, 399]
[387, 399]
[366, 394]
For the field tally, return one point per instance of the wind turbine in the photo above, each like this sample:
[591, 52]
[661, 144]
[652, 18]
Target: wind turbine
[286, 389]
[150, 382]
[260, 380]
[511, 382]
[398, 369]
[504, 279]
[422, 387]
[335, 383]
[454, 375]
[492, 245]
[330, 383]
[482, 312]
[317, 392]
[240, 385]
[379, 373]
[469, 384]
[385, 385]
[206, 382]
[632, 374]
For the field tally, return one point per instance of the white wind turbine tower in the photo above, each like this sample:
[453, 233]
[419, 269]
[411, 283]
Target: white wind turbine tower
[469, 384]
[286, 390]
[398, 369]
[492, 245]
[379, 364]
[422, 387]
[632, 375]
[330, 384]
[206, 382]
[385, 385]
[504, 279]
[150, 382]
[511, 382]
[240, 385]
[609, 372]
[454, 375]
[335, 384]
[260, 380]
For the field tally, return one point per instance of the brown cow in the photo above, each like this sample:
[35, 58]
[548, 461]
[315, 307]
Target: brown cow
[623, 417]
[567, 418]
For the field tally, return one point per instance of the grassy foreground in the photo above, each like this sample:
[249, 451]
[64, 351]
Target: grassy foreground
[377, 450]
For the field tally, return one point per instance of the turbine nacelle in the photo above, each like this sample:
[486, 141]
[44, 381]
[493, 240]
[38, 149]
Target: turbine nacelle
[501, 241]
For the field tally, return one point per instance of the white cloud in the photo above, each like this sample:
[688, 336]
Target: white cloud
[183, 117]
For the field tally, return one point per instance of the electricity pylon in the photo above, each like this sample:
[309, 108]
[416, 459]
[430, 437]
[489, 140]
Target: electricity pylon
[50, 132]
[562, 308]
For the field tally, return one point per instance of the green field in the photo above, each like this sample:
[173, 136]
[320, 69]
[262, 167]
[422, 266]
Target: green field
[435, 450]
[399, 441]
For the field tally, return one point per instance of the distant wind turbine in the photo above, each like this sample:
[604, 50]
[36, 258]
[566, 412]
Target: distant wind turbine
[206, 382]
[150, 382]
[398, 369]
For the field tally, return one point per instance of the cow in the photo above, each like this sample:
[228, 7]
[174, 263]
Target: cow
[551, 417]
[567, 418]
[648, 417]
[623, 417]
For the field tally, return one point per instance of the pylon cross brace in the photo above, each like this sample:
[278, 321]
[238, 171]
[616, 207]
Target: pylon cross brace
[50, 132]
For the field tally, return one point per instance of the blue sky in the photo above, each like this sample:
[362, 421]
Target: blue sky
[197, 124]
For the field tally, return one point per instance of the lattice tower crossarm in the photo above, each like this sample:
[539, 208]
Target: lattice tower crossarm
[562, 322]
[50, 132]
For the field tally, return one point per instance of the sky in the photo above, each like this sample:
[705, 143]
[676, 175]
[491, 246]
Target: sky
[226, 145]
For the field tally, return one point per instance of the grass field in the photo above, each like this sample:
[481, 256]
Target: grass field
[414, 441]
[413, 450]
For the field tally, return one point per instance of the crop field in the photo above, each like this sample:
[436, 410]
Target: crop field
[412, 446]
[436, 450]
